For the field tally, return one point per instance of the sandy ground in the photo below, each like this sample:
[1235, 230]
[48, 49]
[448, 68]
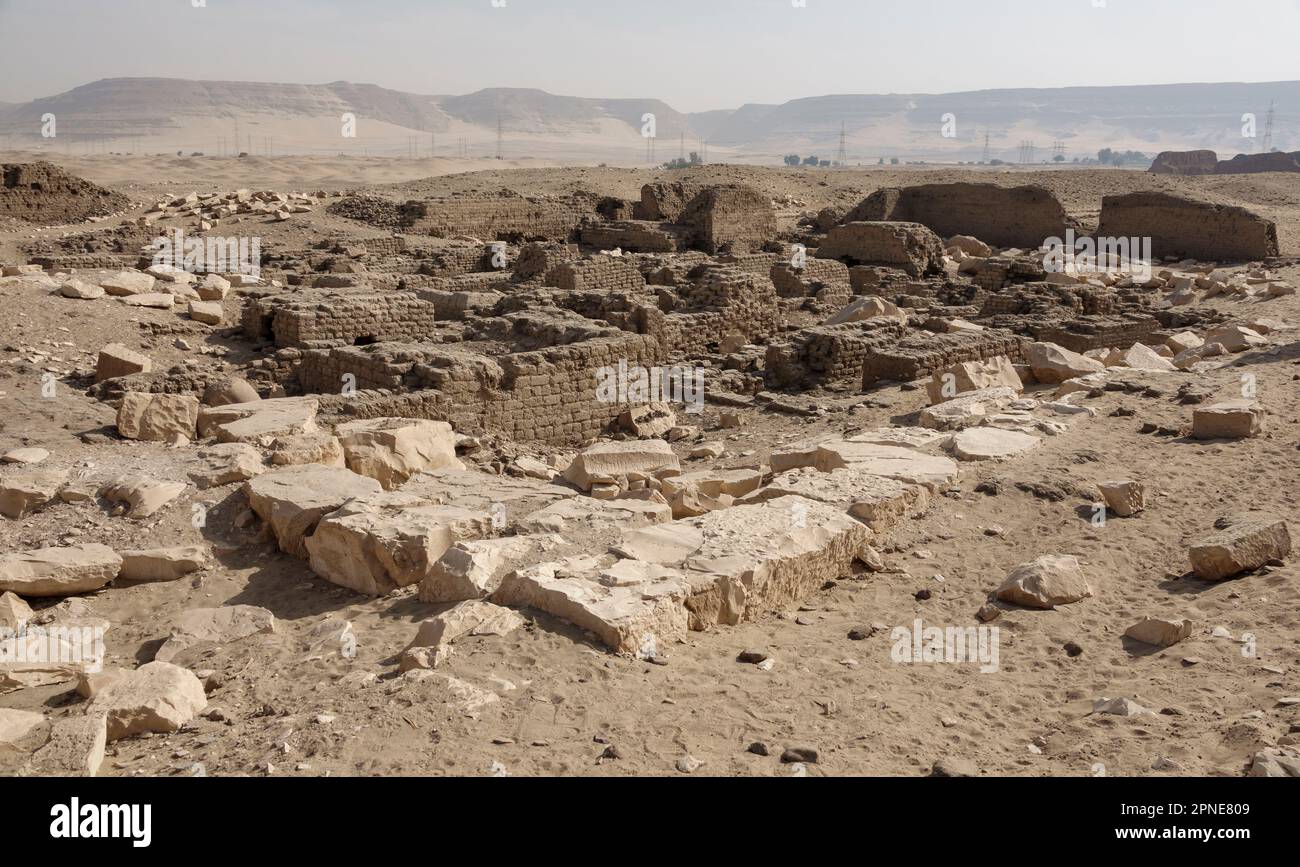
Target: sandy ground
[286, 709]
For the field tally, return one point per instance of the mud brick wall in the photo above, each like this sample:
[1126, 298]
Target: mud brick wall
[1243, 164]
[1100, 332]
[1029, 299]
[504, 217]
[1200, 162]
[729, 217]
[1183, 227]
[758, 264]
[998, 271]
[624, 310]
[910, 247]
[313, 319]
[379, 366]
[1003, 216]
[914, 357]
[536, 259]
[547, 395]
[633, 236]
[829, 353]
[721, 302]
[665, 200]
[602, 273]
[41, 192]
[86, 263]
[816, 273]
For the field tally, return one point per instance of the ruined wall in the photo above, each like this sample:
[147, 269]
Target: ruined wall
[809, 280]
[604, 273]
[918, 356]
[829, 354]
[1185, 163]
[311, 319]
[1100, 332]
[502, 217]
[910, 247]
[1184, 227]
[665, 200]
[634, 236]
[730, 217]
[545, 395]
[41, 192]
[1244, 164]
[722, 302]
[1003, 216]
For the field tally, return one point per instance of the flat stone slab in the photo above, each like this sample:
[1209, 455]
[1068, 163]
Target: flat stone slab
[59, 571]
[1249, 542]
[991, 444]
[294, 499]
[879, 502]
[724, 567]
[259, 421]
[379, 543]
[156, 697]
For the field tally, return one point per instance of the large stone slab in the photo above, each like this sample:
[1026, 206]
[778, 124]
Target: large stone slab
[1249, 542]
[21, 494]
[259, 421]
[377, 544]
[610, 463]
[725, 567]
[144, 497]
[391, 450]
[59, 571]
[991, 444]
[969, 409]
[880, 503]
[1232, 419]
[294, 499]
[1052, 364]
[157, 417]
[156, 697]
[946, 384]
[891, 462]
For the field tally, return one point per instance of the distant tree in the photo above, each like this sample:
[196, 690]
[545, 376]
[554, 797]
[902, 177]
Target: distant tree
[811, 161]
[882, 162]
[996, 163]
[893, 161]
[792, 160]
[1060, 158]
[824, 163]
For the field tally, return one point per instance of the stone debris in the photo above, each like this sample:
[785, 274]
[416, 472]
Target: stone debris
[1233, 419]
[143, 497]
[75, 748]
[377, 544]
[293, 500]
[989, 444]
[1247, 543]
[162, 564]
[727, 566]
[59, 571]
[1047, 582]
[260, 421]
[216, 626]
[156, 697]
[158, 417]
[1161, 633]
[611, 463]
[1052, 364]
[26, 493]
[1124, 498]
[391, 450]
[225, 464]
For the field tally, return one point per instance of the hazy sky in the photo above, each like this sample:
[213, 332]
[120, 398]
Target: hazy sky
[694, 54]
